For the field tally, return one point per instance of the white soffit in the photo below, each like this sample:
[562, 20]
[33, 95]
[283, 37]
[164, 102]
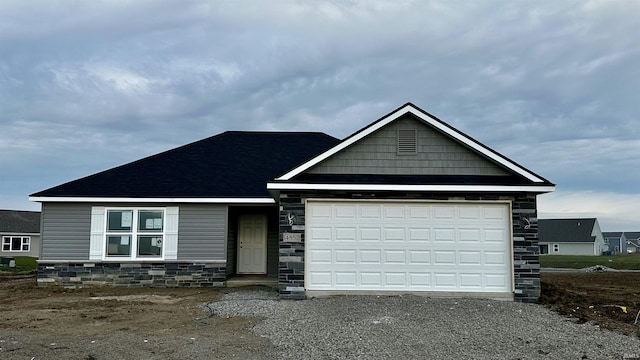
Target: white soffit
[435, 123]
[393, 187]
[154, 200]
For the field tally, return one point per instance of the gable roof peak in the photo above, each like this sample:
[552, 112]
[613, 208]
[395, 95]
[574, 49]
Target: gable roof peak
[425, 117]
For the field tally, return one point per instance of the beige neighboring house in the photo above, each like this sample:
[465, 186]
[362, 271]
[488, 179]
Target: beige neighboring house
[20, 233]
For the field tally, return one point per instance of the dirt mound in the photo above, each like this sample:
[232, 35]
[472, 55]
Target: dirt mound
[609, 299]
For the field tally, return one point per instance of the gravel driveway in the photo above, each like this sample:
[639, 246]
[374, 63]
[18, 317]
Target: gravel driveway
[412, 327]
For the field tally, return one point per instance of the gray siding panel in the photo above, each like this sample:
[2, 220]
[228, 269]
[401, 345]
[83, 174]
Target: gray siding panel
[65, 231]
[202, 232]
[437, 155]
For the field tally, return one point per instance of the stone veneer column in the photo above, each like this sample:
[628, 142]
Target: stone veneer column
[526, 253]
[291, 247]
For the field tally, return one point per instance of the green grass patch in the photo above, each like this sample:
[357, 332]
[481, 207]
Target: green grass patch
[24, 264]
[620, 262]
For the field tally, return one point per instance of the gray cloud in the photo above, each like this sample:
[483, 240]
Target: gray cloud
[85, 86]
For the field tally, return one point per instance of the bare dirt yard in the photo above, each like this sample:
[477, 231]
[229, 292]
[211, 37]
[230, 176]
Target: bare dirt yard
[144, 323]
[125, 323]
[609, 299]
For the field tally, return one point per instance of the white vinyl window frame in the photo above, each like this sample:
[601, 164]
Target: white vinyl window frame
[134, 233]
[24, 243]
[98, 235]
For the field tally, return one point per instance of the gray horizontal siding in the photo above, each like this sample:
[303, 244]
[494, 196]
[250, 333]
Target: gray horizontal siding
[202, 232]
[437, 155]
[65, 231]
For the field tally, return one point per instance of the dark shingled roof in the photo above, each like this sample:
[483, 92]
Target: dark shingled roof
[566, 230]
[231, 164]
[632, 235]
[612, 234]
[19, 222]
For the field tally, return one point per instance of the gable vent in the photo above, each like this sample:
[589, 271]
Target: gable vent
[407, 141]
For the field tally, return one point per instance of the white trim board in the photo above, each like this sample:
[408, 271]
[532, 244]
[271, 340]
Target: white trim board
[411, 109]
[152, 200]
[387, 187]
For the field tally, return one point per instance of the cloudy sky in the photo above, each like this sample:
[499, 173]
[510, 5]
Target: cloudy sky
[553, 85]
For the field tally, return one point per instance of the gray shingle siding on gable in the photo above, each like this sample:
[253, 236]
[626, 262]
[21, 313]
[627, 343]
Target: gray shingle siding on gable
[202, 232]
[378, 154]
[66, 228]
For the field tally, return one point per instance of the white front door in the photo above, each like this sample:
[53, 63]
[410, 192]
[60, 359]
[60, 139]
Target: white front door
[252, 244]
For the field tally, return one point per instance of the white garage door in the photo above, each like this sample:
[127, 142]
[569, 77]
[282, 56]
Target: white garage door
[408, 246]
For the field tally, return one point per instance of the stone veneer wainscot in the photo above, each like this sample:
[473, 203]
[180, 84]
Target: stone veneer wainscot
[132, 274]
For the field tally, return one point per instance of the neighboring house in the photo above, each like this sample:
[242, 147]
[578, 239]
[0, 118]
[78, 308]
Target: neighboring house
[616, 242]
[632, 239]
[20, 233]
[570, 237]
[405, 204]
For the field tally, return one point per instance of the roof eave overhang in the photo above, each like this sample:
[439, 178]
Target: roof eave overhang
[98, 199]
[409, 188]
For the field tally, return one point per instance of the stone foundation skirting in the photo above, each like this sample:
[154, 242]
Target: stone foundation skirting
[136, 274]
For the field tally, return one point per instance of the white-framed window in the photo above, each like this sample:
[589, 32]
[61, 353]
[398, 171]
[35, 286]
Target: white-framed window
[16, 243]
[134, 233]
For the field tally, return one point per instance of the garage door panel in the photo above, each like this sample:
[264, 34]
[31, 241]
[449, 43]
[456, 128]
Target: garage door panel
[371, 279]
[395, 279]
[445, 257]
[392, 212]
[320, 278]
[370, 212]
[420, 280]
[419, 212]
[496, 281]
[345, 256]
[345, 278]
[444, 235]
[394, 234]
[395, 257]
[419, 234]
[345, 212]
[345, 234]
[470, 280]
[495, 258]
[469, 257]
[370, 256]
[494, 213]
[320, 256]
[408, 246]
[469, 213]
[320, 211]
[419, 257]
[320, 233]
[495, 235]
[370, 234]
[470, 235]
[444, 212]
[445, 280]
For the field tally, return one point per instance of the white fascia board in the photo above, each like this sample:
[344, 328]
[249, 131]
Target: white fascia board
[154, 200]
[437, 124]
[18, 234]
[388, 187]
